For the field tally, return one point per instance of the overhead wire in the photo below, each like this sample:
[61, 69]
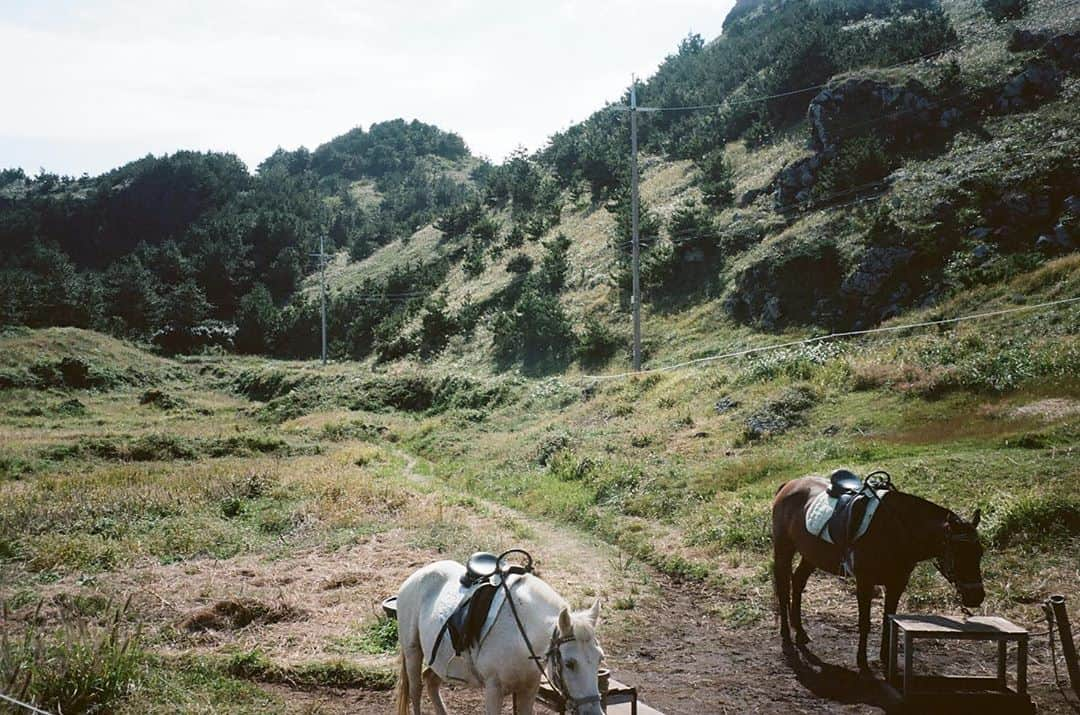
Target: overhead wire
[833, 336]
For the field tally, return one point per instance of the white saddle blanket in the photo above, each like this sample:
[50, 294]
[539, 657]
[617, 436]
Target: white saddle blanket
[446, 663]
[822, 506]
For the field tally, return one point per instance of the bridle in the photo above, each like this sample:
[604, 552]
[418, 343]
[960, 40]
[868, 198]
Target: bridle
[555, 672]
[946, 561]
[551, 664]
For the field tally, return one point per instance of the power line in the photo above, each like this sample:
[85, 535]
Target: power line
[833, 336]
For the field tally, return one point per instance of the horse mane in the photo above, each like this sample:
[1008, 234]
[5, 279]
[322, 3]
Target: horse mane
[922, 504]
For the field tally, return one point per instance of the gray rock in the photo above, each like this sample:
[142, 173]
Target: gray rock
[980, 233]
[877, 265]
[725, 404]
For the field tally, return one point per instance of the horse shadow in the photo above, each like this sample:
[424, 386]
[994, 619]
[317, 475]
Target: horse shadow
[836, 683]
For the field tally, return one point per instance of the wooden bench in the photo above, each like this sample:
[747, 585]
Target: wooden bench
[910, 686]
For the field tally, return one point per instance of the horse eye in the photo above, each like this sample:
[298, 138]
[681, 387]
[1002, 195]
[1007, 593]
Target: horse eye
[571, 665]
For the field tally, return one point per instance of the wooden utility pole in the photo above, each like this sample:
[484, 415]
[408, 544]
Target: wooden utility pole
[321, 255]
[635, 238]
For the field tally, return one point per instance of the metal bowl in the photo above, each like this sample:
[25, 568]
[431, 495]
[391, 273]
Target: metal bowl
[389, 607]
[603, 679]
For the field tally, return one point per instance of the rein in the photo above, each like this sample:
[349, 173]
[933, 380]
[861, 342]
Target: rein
[553, 653]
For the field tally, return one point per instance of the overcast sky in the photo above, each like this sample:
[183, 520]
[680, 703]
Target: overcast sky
[90, 85]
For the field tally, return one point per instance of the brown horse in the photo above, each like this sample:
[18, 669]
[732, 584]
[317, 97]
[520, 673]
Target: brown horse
[904, 531]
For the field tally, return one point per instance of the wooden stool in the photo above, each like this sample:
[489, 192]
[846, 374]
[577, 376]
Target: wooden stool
[978, 628]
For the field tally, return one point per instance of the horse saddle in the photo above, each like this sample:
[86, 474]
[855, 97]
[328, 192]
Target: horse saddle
[480, 582]
[851, 502]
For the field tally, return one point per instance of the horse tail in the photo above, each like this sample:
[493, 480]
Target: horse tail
[402, 685]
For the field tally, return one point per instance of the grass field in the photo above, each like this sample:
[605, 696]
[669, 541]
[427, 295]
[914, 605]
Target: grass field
[168, 541]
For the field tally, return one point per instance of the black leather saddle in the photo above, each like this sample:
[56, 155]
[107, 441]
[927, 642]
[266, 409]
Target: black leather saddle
[467, 620]
[851, 502]
[843, 481]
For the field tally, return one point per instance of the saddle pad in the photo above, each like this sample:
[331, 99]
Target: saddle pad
[821, 508]
[450, 597]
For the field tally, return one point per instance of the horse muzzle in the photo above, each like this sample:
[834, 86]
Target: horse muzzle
[971, 594]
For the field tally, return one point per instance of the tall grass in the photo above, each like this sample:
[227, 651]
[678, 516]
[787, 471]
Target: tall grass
[78, 668]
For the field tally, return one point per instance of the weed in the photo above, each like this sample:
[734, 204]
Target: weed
[79, 668]
[377, 637]
[1034, 520]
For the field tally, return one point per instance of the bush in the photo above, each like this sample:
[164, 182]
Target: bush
[1035, 520]
[859, 161]
[256, 321]
[437, 326]
[597, 343]
[535, 330]
[554, 264]
[520, 264]
[474, 263]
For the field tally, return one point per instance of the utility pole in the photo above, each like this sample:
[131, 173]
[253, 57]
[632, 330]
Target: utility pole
[321, 255]
[636, 239]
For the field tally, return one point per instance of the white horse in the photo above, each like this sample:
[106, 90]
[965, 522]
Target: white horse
[564, 642]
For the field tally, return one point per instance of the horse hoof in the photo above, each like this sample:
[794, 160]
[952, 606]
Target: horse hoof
[801, 638]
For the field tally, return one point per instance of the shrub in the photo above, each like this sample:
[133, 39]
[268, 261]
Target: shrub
[554, 264]
[520, 264]
[256, 321]
[1035, 520]
[597, 343]
[437, 326]
[535, 330]
[859, 161]
[474, 263]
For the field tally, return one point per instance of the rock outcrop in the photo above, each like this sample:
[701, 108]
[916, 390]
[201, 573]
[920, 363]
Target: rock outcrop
[898, 114]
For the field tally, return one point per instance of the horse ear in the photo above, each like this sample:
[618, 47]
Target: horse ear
[594, 613]
[566, 626]
[976, 518]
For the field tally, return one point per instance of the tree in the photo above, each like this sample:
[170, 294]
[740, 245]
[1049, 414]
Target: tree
[184, 306]
[130, 294]
[536, 330]
[717, 179]
[437, 325]
[554, 264]
[256, 321]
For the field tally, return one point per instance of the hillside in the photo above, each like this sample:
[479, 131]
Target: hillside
[918, 181]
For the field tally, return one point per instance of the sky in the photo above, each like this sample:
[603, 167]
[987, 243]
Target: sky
[91, 85]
